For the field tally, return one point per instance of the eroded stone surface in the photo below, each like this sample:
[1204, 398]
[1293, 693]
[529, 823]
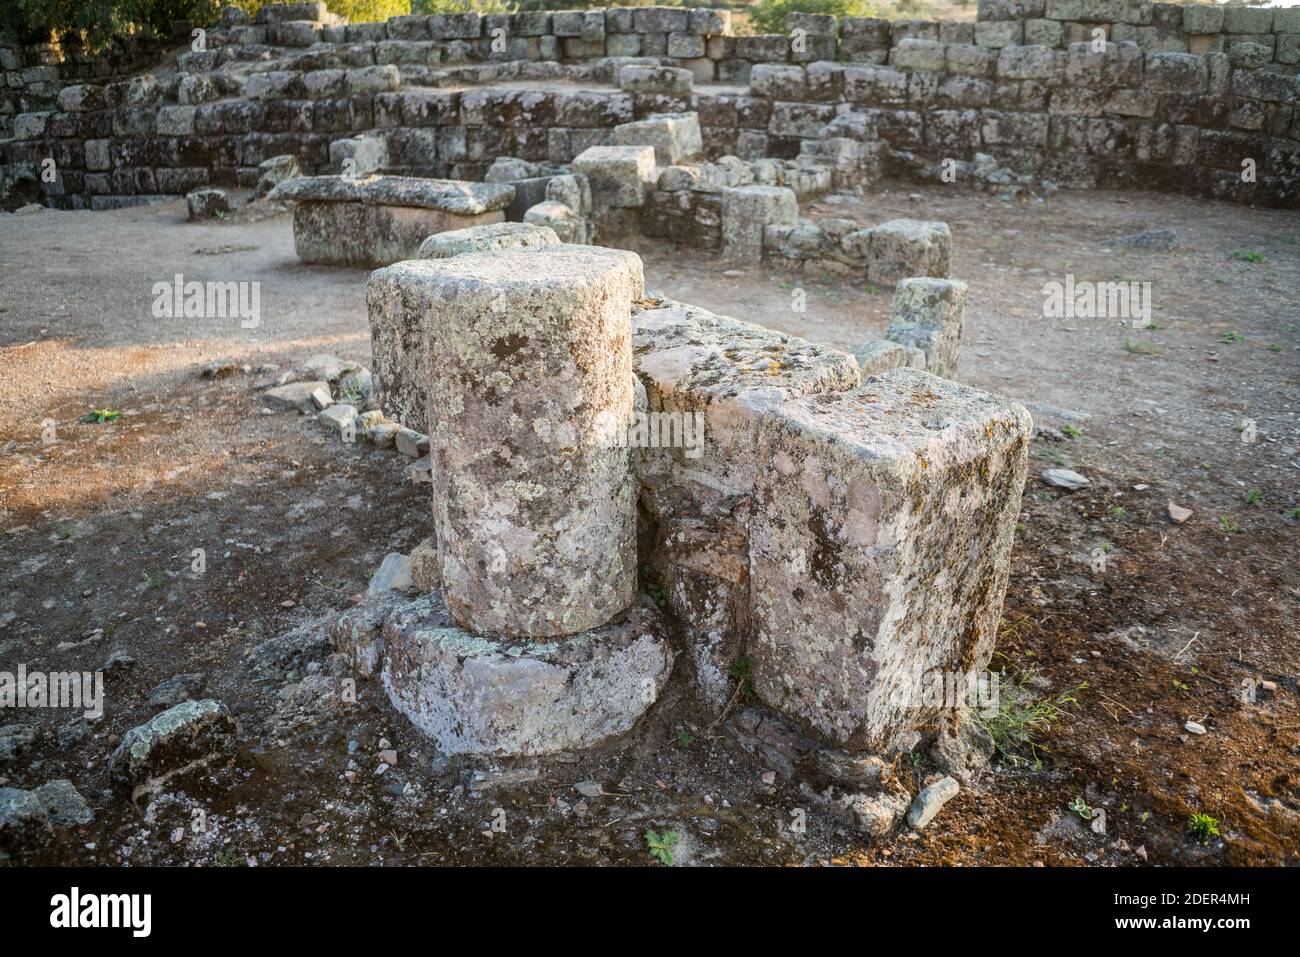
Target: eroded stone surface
[189, 736]
[883, 524]
[529, 359]
[485, 239]
[448, 195]
[513, 697]
[366, 234]
[927, 314]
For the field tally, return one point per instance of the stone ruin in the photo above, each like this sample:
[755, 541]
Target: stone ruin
[627, 490]
[623, 485]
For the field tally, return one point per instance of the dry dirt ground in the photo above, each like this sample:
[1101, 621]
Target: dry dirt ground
[98, 523]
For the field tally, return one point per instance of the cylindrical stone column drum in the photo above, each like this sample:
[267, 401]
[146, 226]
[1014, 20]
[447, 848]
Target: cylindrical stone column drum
[530, 358]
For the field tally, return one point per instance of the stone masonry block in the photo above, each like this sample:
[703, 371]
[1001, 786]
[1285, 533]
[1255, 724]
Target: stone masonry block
[620, 176]
[674, 136]
[883, 524]
[747, 211]
[905, 248]
[927, 314]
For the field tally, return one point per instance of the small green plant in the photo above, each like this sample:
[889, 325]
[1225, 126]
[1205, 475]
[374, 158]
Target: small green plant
[154, 580]
[228, 857]
[684, 739]
[1080, 807]
[1249, 255]
[661, 846]
[742, 672]
[96, 416]
[1228, 525]
[1020, 721]
[1106, 547]
[1231, 337]
[1118, 511]
[1295, 513]
[63, 531]
[1274, 348]
[1254, 496]
[651, 586]
[1072, 431]
[1139, 348]
[1203, 827]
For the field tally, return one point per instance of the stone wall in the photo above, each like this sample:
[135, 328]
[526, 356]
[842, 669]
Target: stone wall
[1026, 92]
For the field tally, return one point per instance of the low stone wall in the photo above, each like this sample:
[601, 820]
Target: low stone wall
[1029, 93]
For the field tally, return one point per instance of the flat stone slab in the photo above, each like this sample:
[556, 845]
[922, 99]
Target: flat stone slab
[361, 234]
[447, 195]
[485, 695]
[486, 239]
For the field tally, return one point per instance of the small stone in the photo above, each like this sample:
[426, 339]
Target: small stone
[64, 804]
[15, 740]
[931, 800]
[338, 418]
[295, 395]
[1065, 478]
[393, 574]
[207, 203]
[589, 789]
[24, 822]
[1194, 727]
[389, 757]
[769, 777]
[1162, 240]
[1178, 514]
[190, 735]
[321, 398]
[219, 369]
[411, 443]
[176, 689]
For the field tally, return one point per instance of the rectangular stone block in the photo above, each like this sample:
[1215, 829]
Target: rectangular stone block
[1242, 19]
[621, 176]
[999, 33]
[674, 136]
[927, 314]
[906, 248]
[883, 523]
[747, 211]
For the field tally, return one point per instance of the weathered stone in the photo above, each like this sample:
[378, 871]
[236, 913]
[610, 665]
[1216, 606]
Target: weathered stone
[207, 203]
[456, 197]
[296, 395]
[24, 822]
[15, 740]
[559, 220]
[190, 736]
[879, 548]
[930, 801]
[340, 418]
[747, 211]
[620, 176]
[654, 79]
[905, 248]
[674, 136]
[486, 239]
[495, 696]
[880, 355]
[393, 574]
[64, 804]
[527, 350]
[176, 689]
[927, 314]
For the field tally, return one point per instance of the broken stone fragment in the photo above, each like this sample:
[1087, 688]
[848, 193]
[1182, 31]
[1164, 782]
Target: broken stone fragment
[927, 314]
[559, 220]
[326, 367]
[339, 418]
[274, 171]
[635, 78]
[1065, 478]
[393, 574]
[879, 355]
[276, 657]
[64, 804]
[190, 736]
[410, 443]
[879, 548]
[176, 689]
[15, 740]
[219, 368]
[930, 802]
[426, 576]
[483, 239]
[295, 395]
[207, 203]
[322, 399]
[24, 822]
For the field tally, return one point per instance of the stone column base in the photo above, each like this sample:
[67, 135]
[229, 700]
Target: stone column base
[522, 697]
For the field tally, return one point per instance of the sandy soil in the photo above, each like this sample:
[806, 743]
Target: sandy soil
[98, 523]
